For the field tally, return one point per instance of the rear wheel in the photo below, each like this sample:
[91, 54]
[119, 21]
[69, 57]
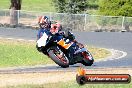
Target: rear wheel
[88, 59]
[58, 57]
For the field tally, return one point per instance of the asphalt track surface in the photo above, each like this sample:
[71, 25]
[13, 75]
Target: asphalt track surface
[112, 40]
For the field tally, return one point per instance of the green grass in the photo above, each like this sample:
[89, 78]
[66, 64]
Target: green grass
[36, 5]
[98, 53]
[14, 53]
[31, 5]
[23, 53]
[4, 4]
[73, 84]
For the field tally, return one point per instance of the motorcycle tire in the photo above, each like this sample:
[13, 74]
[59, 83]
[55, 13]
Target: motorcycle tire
[63, 61]
[88, 62]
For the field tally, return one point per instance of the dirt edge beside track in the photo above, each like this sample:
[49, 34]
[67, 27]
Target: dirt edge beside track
[53, 77]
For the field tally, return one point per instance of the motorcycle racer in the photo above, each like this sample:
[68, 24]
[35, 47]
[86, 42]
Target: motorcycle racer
[56, 28]
[44, 25]
[62, 49]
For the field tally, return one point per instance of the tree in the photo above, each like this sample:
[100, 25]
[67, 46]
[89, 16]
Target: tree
[76, 6]
[59, 5]
[15, 5]
[115, 7]
[93, 4]
[71, 6]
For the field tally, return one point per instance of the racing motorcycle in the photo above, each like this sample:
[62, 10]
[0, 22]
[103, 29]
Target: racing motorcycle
[62, 50]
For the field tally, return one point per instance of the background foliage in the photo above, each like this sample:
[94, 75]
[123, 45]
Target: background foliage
[115, 7]
[96, 7]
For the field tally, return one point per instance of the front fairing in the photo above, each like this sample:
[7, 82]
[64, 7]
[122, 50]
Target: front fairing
[43, 40]
[81, 50]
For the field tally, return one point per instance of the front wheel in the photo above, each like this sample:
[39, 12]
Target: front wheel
[88, 59]
[58, 57]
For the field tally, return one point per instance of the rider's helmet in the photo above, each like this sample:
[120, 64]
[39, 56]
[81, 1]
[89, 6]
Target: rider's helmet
[54, 28]
[59, 26]
[43, 22]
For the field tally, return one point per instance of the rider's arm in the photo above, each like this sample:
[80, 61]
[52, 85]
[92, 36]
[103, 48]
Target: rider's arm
[71, 36]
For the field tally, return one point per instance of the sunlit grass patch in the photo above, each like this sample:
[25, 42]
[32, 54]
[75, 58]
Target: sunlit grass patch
[24, 53]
